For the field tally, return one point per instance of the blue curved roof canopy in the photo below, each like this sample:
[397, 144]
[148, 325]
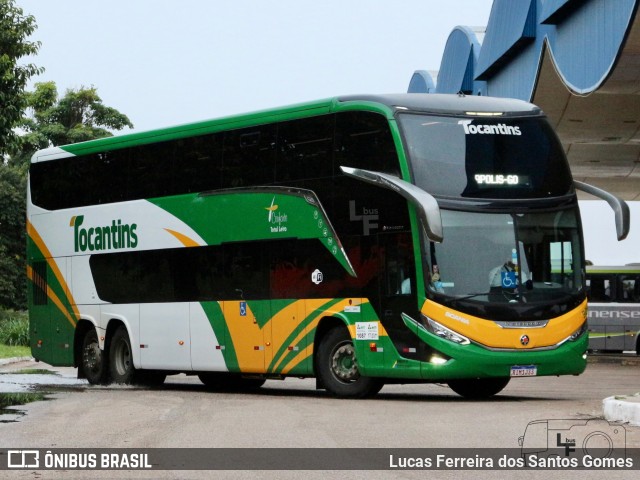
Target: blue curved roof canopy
[579, 60]
[583, 37]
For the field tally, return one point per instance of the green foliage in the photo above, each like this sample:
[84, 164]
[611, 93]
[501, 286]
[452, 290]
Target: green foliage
[14, 328]
[13, 399]
[12, 236]
[15, 28]
[78, 116]
[10, 352]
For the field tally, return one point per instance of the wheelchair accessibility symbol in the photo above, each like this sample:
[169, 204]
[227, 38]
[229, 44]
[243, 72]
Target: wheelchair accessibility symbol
[243, 309]
[508, 279]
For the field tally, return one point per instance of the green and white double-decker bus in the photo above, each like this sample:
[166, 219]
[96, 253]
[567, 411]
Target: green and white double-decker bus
[359, 240]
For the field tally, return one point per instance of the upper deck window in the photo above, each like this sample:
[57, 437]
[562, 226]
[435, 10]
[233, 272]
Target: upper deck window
[288, 153]
[486, 157]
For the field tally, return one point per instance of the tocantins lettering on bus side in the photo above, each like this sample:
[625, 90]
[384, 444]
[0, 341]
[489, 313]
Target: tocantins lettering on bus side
[109, 237]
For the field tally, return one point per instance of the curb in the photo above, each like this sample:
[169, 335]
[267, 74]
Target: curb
[622, 408]
[7, 361]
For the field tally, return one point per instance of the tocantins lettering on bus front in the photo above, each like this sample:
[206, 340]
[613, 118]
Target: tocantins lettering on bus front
[483, 129]
[116, 236]
[276, 219]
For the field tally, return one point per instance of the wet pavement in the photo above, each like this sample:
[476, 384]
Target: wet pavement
[31, 376]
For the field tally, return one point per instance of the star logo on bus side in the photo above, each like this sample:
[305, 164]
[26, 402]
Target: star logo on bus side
[271, 208]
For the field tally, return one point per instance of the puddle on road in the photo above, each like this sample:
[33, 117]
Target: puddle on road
[18, 387]
[36, 379]
[31, 385]
[10, 415]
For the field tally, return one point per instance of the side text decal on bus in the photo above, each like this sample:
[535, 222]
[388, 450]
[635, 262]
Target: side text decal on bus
[114, 236]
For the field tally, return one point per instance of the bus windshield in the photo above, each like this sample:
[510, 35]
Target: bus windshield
[485, 157]
[507, 257]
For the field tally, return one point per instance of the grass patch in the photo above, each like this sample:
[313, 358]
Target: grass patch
[13, 399]
[7, 351]
[14, 328]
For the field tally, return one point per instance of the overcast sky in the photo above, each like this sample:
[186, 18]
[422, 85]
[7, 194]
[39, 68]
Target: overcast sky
[164, 63]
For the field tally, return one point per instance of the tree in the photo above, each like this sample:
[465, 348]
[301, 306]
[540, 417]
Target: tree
[15, 28]
[77, 117]
[12, 237]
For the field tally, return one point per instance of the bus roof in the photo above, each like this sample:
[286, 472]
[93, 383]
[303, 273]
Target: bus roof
[447, 103]
[387, 105]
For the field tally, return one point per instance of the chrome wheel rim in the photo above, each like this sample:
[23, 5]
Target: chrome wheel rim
[344, 365]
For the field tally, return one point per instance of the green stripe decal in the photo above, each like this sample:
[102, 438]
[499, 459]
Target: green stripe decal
[219, 325]
[266, 214]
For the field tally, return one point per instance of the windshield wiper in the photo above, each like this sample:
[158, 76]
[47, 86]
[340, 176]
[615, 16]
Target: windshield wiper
[472, 295]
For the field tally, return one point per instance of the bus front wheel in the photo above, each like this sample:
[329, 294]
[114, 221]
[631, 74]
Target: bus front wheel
[120, 358]
[478, 388]
[337, 367]
[93, 362]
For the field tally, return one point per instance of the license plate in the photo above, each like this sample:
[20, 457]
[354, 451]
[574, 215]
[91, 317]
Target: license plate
[524, 371]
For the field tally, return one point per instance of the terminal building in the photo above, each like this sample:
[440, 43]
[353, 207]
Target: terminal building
[579, 60]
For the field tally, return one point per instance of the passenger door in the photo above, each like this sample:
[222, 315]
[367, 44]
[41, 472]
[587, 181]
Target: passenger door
[249, 335]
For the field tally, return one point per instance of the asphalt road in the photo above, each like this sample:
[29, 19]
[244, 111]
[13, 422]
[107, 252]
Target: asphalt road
[292, 414]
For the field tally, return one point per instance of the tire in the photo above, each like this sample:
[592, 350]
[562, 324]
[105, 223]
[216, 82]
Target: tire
[93, 361]
[337, 367]
[479, 388]
[121, 366]
[229, 382]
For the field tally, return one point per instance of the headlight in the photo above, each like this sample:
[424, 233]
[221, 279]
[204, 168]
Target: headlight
[443, 332]
[578, 333]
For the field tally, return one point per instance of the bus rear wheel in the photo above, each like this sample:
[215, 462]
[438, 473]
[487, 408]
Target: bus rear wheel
[120, 358]
[337, 367]
[93, 362]
[478, 388]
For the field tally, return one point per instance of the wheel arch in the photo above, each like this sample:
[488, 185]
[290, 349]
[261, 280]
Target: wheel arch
[82, 327]
[113, 325]
[324, 326]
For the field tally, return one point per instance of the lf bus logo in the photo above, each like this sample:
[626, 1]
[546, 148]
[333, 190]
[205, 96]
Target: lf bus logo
[368, 217]
[596, 438]
[23, 459]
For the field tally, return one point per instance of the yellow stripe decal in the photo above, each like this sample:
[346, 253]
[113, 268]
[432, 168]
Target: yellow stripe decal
[54, 298]
[286, 328]
[182, 238]
[37, 239]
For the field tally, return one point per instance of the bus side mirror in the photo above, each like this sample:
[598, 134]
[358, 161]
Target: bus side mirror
[426, 205]
[619, 206]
